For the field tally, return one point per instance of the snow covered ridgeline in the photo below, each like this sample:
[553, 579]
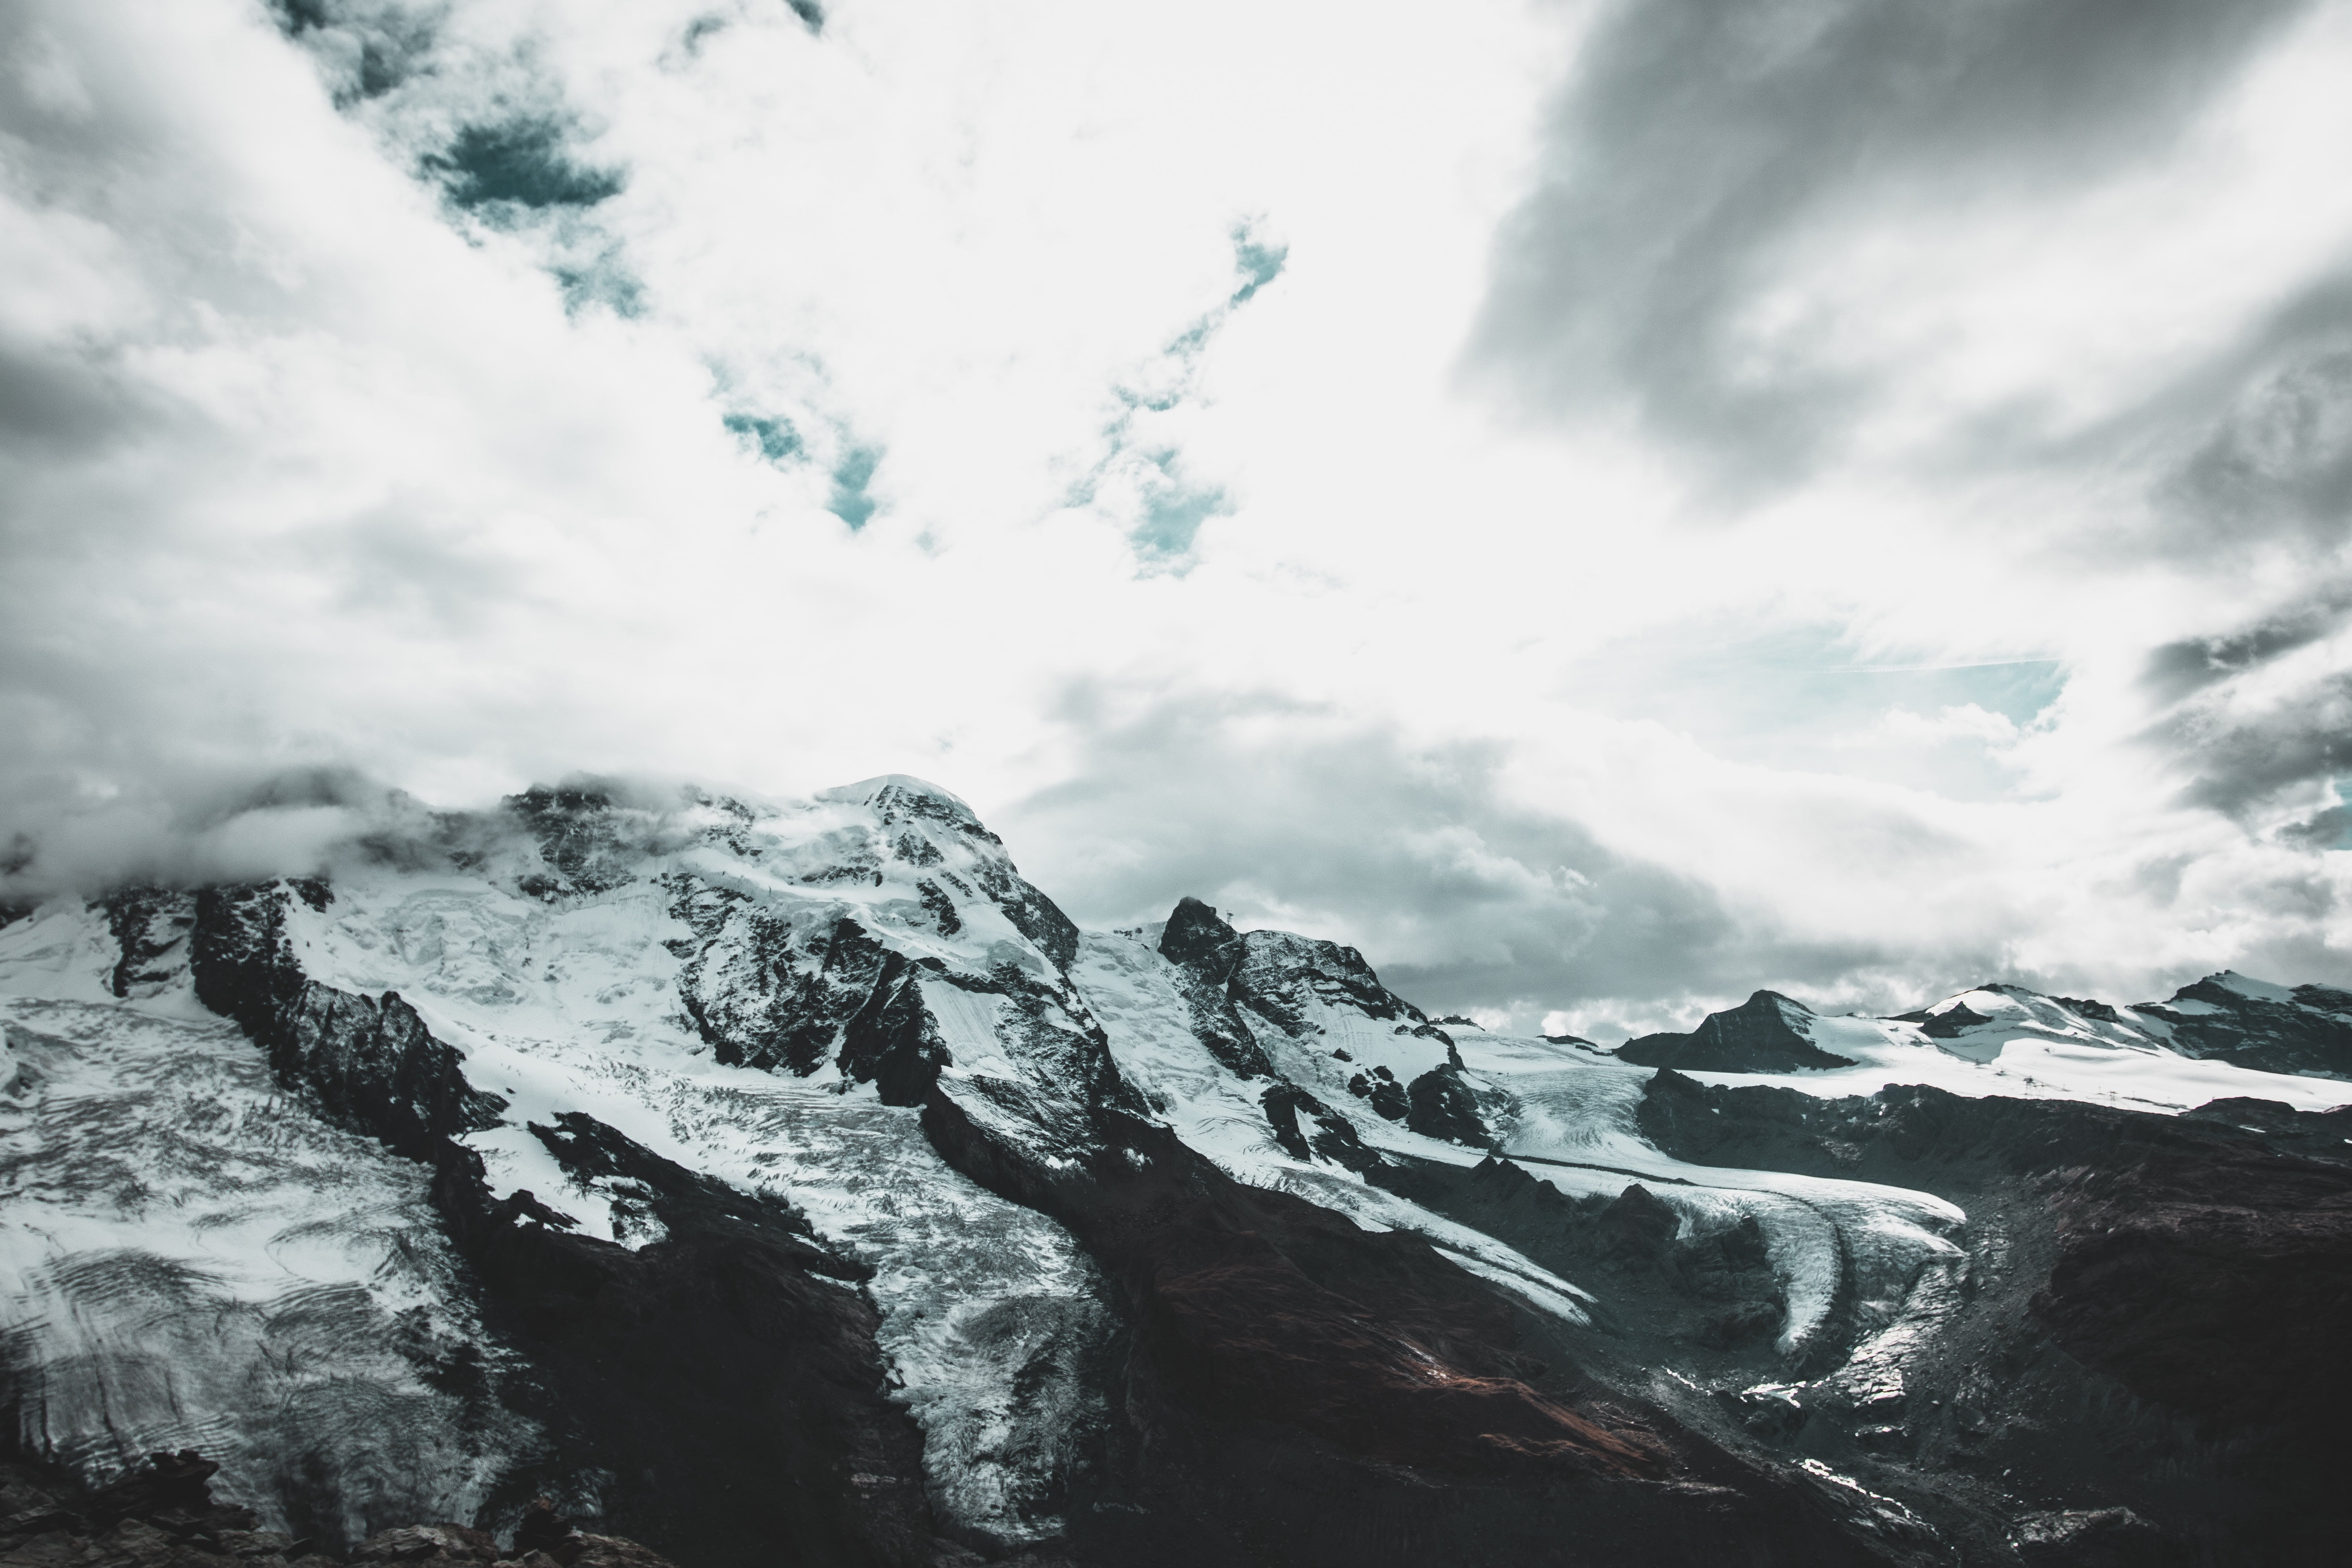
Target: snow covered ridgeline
[847, 1035]
[2223, 1037]
[550, 942]
[751, 996]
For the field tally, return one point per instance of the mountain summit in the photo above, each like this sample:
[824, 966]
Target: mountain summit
[735, 1174]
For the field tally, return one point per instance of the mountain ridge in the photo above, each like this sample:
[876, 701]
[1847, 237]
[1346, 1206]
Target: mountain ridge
[727, 1079]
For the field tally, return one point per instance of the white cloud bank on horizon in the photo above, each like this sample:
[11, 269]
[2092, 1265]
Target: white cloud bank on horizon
[1604, 508]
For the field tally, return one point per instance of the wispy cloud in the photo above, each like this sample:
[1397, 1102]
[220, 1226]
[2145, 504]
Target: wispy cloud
[1657, 500]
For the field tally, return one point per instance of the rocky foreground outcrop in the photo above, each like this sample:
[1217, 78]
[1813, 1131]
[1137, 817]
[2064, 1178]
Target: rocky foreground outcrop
[163, 1516]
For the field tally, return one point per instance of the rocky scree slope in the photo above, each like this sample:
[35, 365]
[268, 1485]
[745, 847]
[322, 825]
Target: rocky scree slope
[798, 1180]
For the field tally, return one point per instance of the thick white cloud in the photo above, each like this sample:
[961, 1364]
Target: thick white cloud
[1285, 471]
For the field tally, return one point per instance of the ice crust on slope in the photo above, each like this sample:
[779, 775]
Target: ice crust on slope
[190, 1260]
[566, 957]
[574, 1005]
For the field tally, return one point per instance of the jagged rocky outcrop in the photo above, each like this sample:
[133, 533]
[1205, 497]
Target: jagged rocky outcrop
[690, 1371]
[151, 926]
[1289, 1111]
[1440, 1104]
[793, 1181]
[1272, 974]
[1207, 953]
[367, 1062]
[1767, 1033]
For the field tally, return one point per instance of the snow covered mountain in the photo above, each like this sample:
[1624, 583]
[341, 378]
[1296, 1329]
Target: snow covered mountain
[741, 1174]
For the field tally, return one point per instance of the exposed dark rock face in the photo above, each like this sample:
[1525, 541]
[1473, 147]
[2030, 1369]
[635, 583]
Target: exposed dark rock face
[892, 1041]
[368, 1063]
[1033, 914]
[2098, 1538]
[1282, 1102]
[936, 902]
[2149, 1295]
[1278, 971]
[722, 1362]
[1636, 1227]
[1715, 1290]
[1943, 1025]
[152, 927]
[1380, 1089]
[1273, 972]
[2322, 1136]
[694, 1371]
[1439, 1104]
[1273, 1341]
[1194, 938]
[2311, 1033]
[1205, 952]
[768, 995]
[1335, 1137]
[1764, 1034]
[763, 993]
[163, 1516]
[1254, 1302]
[578, 835]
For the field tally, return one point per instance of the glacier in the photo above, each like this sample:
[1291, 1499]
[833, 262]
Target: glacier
[308, 1175]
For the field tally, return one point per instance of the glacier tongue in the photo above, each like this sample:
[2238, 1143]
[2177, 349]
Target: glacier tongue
[194, 1261]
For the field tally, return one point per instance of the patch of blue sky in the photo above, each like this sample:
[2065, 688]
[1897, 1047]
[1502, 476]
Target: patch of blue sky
[1173, 512]
[525, 162]
[774, 440]
[2017, 690]
[850, 500]
[1173, 509]
[1258, 262]
[599, 280]
[1799, 699]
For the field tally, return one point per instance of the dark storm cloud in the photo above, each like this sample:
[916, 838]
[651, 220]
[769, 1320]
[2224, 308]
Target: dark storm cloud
[58, 403]
[2191, 664]
[2243, 758]
[1697, 135]
[2277, 459]
[2244, 731]
[1460, 896]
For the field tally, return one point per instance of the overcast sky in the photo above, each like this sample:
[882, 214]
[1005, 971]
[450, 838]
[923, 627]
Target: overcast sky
[1604, 507]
